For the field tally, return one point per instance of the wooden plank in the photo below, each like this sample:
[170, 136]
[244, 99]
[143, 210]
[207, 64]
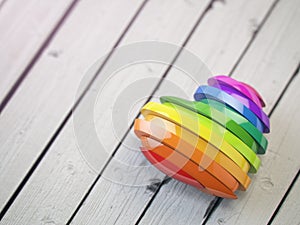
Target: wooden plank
[289, 210]
[229, 39]
[34, 114]
[276, 46]
[23, 31]
[164, 209]
[275, 52]
[63, 178]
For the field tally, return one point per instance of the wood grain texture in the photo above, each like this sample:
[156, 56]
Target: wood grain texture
[275, 53]
[162, 21]
[42, 102]
[128, 183]
[23, 30]
[226, 31]
[289, 211]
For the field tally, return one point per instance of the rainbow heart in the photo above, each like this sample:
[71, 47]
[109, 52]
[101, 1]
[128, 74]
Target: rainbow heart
[211, 143]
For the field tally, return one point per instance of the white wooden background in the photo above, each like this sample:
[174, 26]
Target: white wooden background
[47, 46]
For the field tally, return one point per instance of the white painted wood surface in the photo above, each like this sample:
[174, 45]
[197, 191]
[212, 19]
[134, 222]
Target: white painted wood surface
[226, 31]
[163, 207]
[28, 122]
[168, 17]
[275, 50]
[23, 28]
[56, 187]
[289, 211]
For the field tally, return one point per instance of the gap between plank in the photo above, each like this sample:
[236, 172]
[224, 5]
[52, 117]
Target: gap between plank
[70, 112]
[166, 180]
[36, 56]
[284, 198]
[217, 200]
